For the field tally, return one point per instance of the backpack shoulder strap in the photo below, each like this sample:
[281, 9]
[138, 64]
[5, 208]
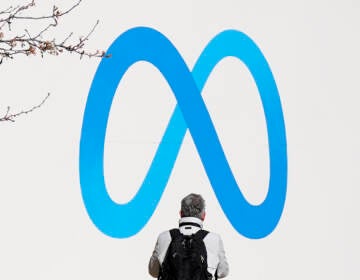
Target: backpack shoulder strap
[174, 233]
[201, 234]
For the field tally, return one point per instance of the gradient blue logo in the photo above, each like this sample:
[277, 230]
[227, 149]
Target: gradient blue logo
[146, 44]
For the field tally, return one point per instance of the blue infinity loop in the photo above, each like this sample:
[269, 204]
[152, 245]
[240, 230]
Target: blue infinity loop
[146, 44]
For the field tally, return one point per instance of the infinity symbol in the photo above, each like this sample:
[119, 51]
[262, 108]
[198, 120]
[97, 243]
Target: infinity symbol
[145, 44]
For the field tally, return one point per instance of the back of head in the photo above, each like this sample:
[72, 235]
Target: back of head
[193, 205]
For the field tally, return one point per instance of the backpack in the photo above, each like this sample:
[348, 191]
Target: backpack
[186, 257]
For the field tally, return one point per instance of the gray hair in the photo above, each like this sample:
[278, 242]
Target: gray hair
[192, 205]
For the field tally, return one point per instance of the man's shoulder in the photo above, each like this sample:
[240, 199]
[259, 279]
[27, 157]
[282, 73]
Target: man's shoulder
[213, 234]
[165, 235]
[213, 237]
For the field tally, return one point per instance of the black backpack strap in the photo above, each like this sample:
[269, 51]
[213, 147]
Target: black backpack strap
[201, 234]
[175, 232]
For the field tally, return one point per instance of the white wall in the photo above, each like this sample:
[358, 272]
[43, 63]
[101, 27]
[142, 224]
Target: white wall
[312, 48]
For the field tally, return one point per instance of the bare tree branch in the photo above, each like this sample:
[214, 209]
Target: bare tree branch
[12, 116]
[32, 44]
[28, 43]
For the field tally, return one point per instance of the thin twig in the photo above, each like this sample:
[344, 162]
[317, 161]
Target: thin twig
[32, 44]
[11, 117]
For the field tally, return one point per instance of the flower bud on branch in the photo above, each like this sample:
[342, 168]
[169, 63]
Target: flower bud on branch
[38, 43]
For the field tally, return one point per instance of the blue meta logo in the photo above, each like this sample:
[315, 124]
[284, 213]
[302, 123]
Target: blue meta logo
[146, 44]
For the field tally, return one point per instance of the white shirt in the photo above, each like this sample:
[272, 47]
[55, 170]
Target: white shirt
[216, 258]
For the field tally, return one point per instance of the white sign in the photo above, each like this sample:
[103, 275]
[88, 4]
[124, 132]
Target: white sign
[312, 50]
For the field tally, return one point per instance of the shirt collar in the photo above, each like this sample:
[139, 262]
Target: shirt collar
[191, 220]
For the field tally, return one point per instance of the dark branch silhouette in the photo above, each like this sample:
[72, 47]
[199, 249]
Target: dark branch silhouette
[38, 43]
[12, 116]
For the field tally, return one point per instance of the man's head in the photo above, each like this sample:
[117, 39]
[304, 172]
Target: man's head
[193, 205]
